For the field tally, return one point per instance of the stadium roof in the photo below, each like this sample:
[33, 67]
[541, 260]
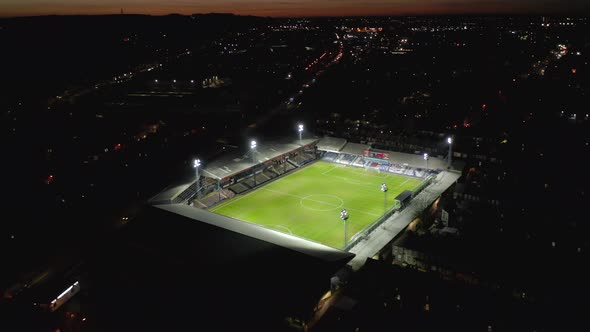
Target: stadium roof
[176, 267]
[235, 163]
[332, 144]
[414, 160]
[355, 148]
[167, 195]
[287, 241]
[404, 195]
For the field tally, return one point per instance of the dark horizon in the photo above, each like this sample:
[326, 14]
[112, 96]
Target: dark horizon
[507, 14]
[300, 9]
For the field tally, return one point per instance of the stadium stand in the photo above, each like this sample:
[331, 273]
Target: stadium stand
[270, 174]
[289, 167]
[227, 193]
[249, 182]
[239, 188]
[214, 198]
[359, 162]
[261, 178]
[199, 204]
[291, 163]
[330, 156]
[187, 194]
[302, 158]
[348, 158]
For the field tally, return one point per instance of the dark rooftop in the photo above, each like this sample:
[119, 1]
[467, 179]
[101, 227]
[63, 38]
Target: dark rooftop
[177, 267]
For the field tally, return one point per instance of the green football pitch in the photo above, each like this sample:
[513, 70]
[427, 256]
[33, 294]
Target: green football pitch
[307, 202]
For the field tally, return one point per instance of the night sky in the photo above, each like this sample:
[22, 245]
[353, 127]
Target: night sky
[287, 7]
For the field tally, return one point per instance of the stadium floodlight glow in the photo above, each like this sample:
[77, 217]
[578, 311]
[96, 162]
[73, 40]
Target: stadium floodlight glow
[300, 130]
[450, 156]
[196, 165]
[426, 158]
[156, 80]
[253, 148]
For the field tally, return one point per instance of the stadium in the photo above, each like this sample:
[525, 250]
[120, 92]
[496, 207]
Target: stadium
[325, 191]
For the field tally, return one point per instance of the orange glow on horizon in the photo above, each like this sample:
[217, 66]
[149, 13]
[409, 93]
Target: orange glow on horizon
[265, 7]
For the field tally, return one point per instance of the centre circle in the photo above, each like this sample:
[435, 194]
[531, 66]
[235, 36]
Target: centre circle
[321, 202]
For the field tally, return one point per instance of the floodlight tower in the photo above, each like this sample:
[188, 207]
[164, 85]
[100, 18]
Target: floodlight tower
[300, 130]
[196, 165]
[253, 148]
[344, 217]
[384, 190]
[426, 158]
[450, 142]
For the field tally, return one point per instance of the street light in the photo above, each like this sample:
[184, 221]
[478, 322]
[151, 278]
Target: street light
[300, 129]
[384, 190]
[450, 142]
[344, 217]
[426, 158]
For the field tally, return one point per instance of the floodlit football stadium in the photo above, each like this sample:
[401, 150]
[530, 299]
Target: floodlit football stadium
[308, 202]
[328, 190]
